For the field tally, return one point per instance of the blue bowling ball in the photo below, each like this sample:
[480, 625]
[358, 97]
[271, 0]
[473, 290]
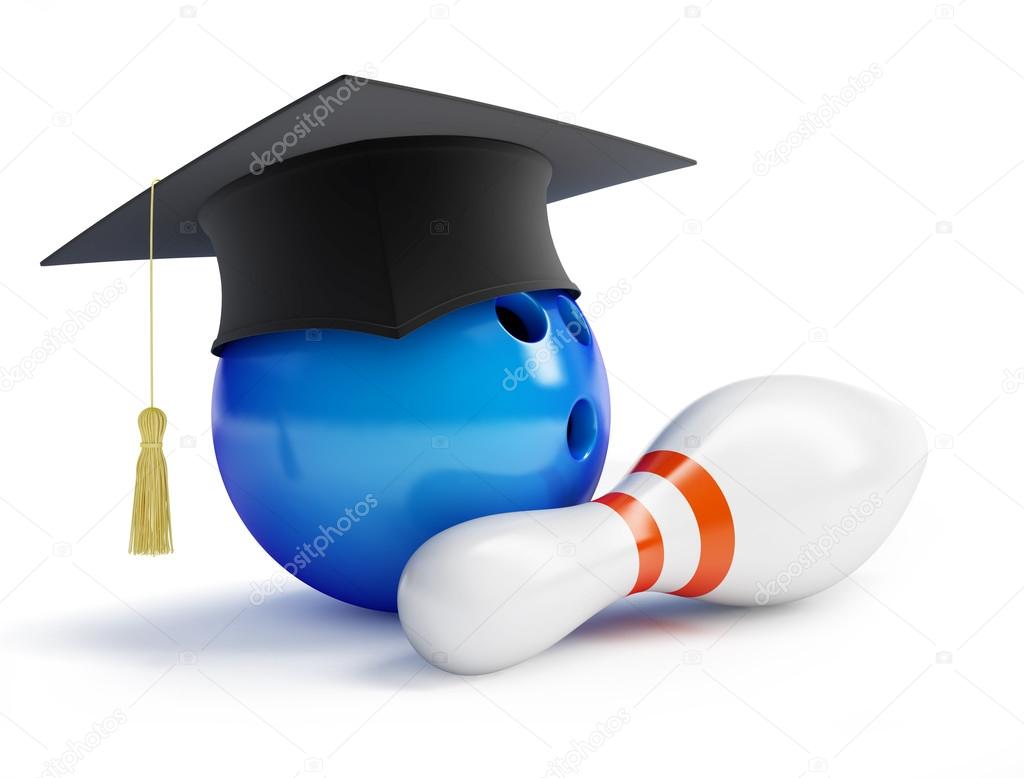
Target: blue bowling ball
[343, 452]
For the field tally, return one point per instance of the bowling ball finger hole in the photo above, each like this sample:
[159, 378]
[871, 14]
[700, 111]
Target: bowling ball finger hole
[521, 317]
[581, 429]
[574, 320]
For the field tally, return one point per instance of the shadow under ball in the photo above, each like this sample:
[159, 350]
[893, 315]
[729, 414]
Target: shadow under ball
[343, 451]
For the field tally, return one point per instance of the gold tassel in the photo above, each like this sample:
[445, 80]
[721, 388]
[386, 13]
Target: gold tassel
[151, 513]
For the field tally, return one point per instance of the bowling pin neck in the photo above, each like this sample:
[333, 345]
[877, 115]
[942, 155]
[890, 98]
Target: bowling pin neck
[680, 522]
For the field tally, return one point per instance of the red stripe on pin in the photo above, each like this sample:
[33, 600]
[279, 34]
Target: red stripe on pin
[649, 546]
[714, 519]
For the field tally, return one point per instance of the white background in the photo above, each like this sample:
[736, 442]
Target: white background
[885, 252]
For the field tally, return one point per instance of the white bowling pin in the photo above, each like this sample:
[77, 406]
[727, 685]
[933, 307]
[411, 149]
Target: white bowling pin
[763, 491]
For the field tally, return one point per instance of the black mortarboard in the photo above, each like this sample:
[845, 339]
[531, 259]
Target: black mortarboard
[373, 207]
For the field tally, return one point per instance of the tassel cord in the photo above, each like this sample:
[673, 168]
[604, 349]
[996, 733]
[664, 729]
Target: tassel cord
[151, 513]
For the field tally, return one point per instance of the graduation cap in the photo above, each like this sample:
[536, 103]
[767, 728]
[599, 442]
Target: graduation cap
[373, 207]
[367, 206]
